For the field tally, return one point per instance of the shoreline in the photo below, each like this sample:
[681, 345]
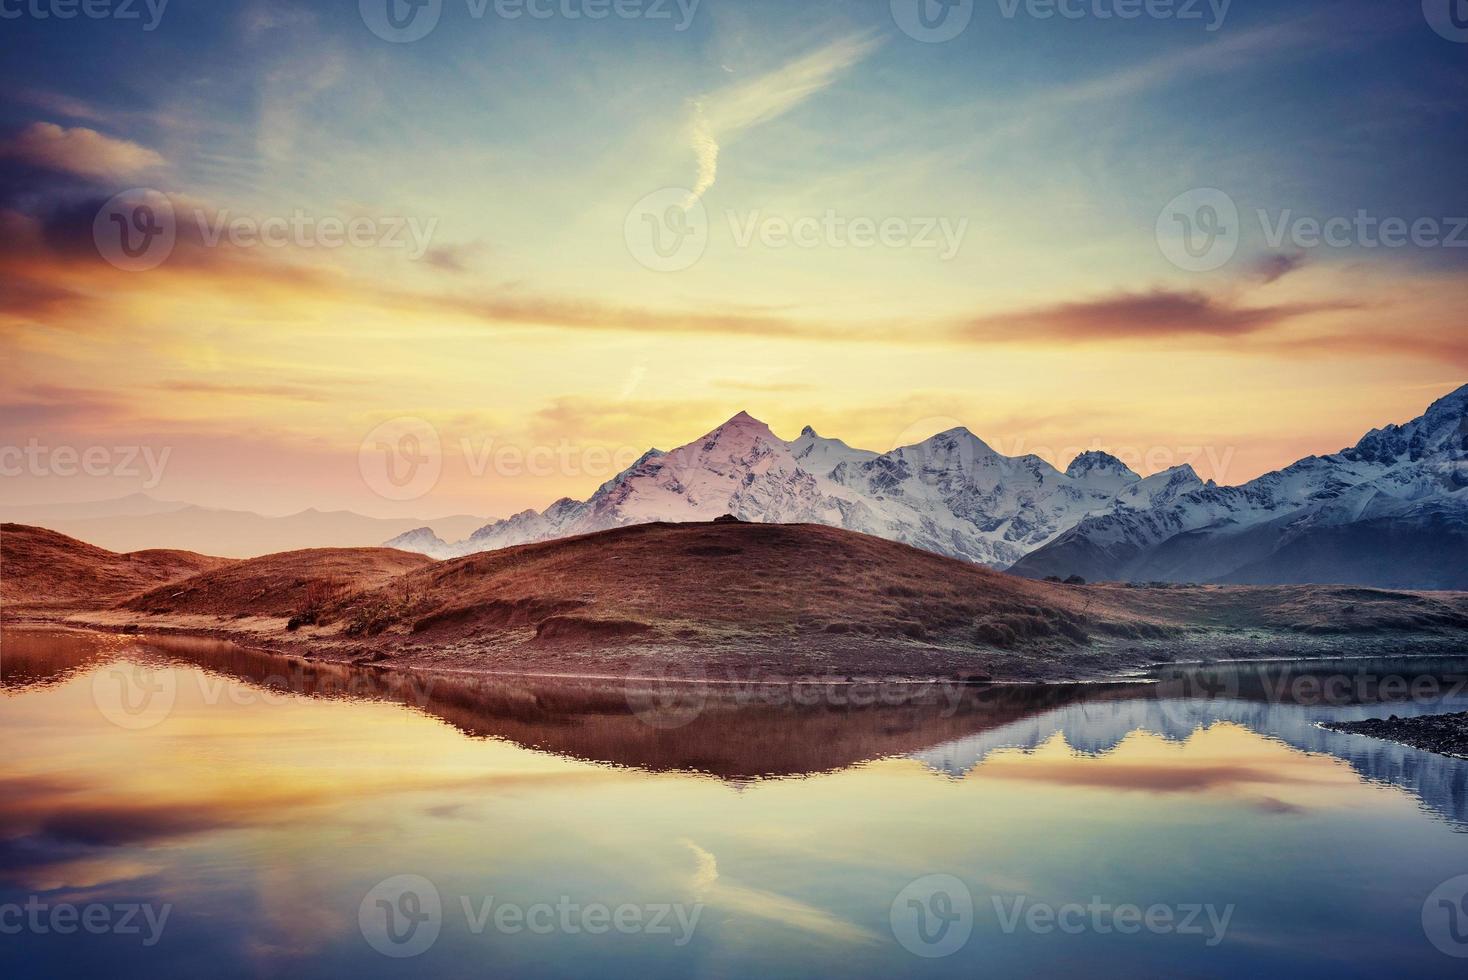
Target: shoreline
[1098, 664]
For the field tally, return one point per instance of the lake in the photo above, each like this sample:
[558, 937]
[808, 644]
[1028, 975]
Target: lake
[186, 808]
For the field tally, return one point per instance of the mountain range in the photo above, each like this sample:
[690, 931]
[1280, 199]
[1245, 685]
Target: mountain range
[1390, 511]
[139, 521]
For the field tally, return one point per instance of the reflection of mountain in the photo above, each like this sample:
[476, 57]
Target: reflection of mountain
[1098, 727]
[735, 732]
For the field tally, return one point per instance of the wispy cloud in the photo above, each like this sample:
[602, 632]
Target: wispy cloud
[721, 116]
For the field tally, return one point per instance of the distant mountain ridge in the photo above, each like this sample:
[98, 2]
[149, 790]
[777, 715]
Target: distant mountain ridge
[138, 522]
[1390, 511]
[951, 494]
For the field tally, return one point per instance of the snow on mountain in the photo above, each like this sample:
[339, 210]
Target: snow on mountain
[1390, 511]
[952, 493]
[820, 456]
[423, 541]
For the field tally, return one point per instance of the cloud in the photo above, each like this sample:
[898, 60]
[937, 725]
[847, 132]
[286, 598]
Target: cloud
[288, 392]
[1155, 314]
[452, 258]
[1272, 268]
[721, 116]
[81, 151]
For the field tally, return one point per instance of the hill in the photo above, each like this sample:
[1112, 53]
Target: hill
[729, 602]
[295, 583]
[41, 566]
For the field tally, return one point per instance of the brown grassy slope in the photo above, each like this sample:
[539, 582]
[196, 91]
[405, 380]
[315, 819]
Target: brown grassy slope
[281, 585]
[38, 566]
[698, 581]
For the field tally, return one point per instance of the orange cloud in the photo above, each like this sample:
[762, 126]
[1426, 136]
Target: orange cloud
[1159, 313]
[79, 150]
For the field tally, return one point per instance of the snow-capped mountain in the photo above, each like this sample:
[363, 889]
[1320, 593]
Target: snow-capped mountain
[951, 493]
[1391, 511]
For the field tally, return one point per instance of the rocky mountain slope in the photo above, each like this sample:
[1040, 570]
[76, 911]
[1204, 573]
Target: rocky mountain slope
[1391, 511]
[951, 494]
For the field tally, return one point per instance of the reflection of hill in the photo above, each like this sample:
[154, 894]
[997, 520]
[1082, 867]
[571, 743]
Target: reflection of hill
[733, 731]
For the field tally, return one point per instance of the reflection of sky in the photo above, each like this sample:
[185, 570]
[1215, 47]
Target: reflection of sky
[266, 820]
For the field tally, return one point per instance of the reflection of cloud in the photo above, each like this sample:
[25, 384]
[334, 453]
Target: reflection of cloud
[710, 888]
[1182, 776]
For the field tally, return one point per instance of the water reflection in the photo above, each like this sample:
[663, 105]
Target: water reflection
[265, 799]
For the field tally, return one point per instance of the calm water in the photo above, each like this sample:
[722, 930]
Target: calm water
[191, 810]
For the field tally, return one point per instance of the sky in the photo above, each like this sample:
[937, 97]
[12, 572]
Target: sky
[255, 243]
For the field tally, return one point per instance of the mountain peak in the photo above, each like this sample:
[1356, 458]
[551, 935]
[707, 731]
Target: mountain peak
[809, 432]
[1096, 461]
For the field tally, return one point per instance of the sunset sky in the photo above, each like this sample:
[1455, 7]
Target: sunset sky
[523, 154]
